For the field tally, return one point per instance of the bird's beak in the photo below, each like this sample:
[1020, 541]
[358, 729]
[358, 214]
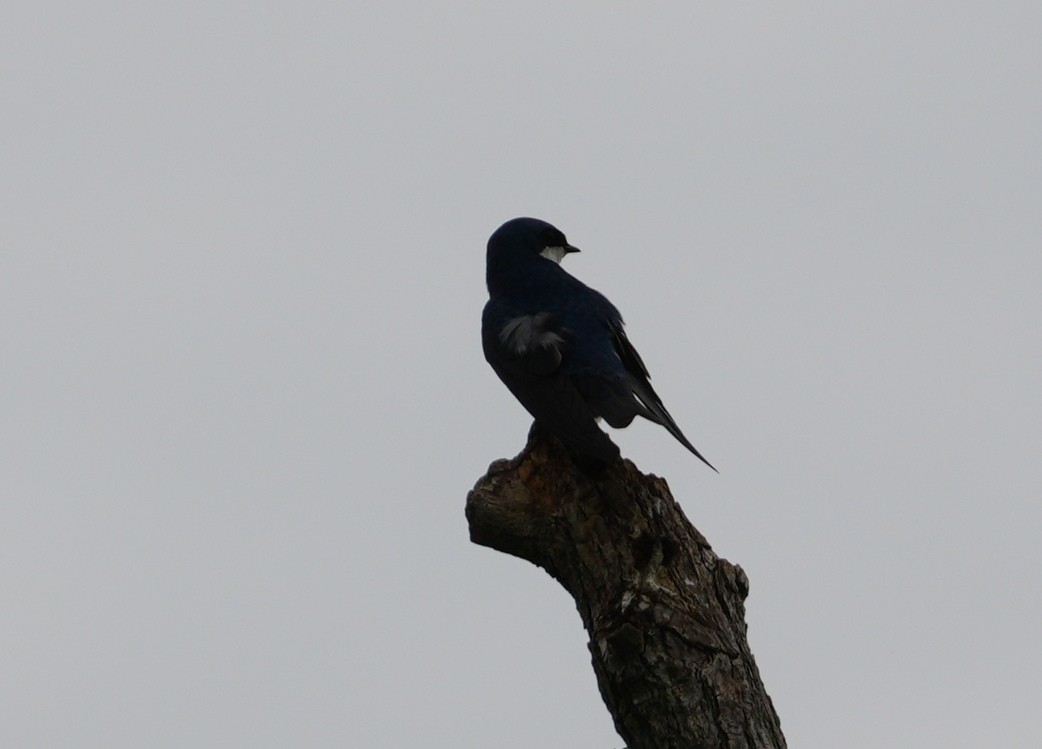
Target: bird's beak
[569, 249]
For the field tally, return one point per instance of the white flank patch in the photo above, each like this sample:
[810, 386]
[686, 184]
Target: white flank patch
[522, 334]
[554, 253]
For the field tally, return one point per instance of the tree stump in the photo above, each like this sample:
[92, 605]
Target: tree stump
[665, 615]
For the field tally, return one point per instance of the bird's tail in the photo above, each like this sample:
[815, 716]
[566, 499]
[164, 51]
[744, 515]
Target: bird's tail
[655, 411]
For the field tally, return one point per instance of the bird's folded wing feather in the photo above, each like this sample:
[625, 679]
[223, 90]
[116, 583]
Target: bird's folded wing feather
[639, 383]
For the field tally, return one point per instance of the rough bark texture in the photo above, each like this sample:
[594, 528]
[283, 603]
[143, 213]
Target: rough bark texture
[664, 614]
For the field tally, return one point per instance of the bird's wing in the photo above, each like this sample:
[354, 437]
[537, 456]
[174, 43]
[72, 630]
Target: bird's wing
[526, 352]
[639, 383]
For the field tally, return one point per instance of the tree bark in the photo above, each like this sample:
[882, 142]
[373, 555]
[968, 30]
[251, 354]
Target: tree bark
[664, 614]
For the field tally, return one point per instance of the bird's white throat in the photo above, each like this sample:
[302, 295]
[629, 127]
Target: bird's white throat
[554, 253]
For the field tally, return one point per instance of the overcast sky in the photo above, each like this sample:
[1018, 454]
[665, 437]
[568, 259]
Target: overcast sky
[242, 396]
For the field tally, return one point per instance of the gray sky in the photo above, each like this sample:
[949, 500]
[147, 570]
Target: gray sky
[241, 275]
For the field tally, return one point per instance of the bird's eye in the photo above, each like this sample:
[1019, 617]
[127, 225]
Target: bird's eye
[553, 238]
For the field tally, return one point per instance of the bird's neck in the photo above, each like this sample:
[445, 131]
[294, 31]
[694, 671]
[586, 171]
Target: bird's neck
[532, 281]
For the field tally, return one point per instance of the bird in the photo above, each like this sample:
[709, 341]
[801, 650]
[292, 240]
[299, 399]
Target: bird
[560, 347]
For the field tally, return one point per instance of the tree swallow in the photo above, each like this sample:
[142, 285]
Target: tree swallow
[559, 346]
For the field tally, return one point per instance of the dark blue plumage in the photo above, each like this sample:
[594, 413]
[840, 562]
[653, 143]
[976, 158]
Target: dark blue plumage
[560, 346]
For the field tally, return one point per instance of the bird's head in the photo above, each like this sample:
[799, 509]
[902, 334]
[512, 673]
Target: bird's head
[522, 239]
